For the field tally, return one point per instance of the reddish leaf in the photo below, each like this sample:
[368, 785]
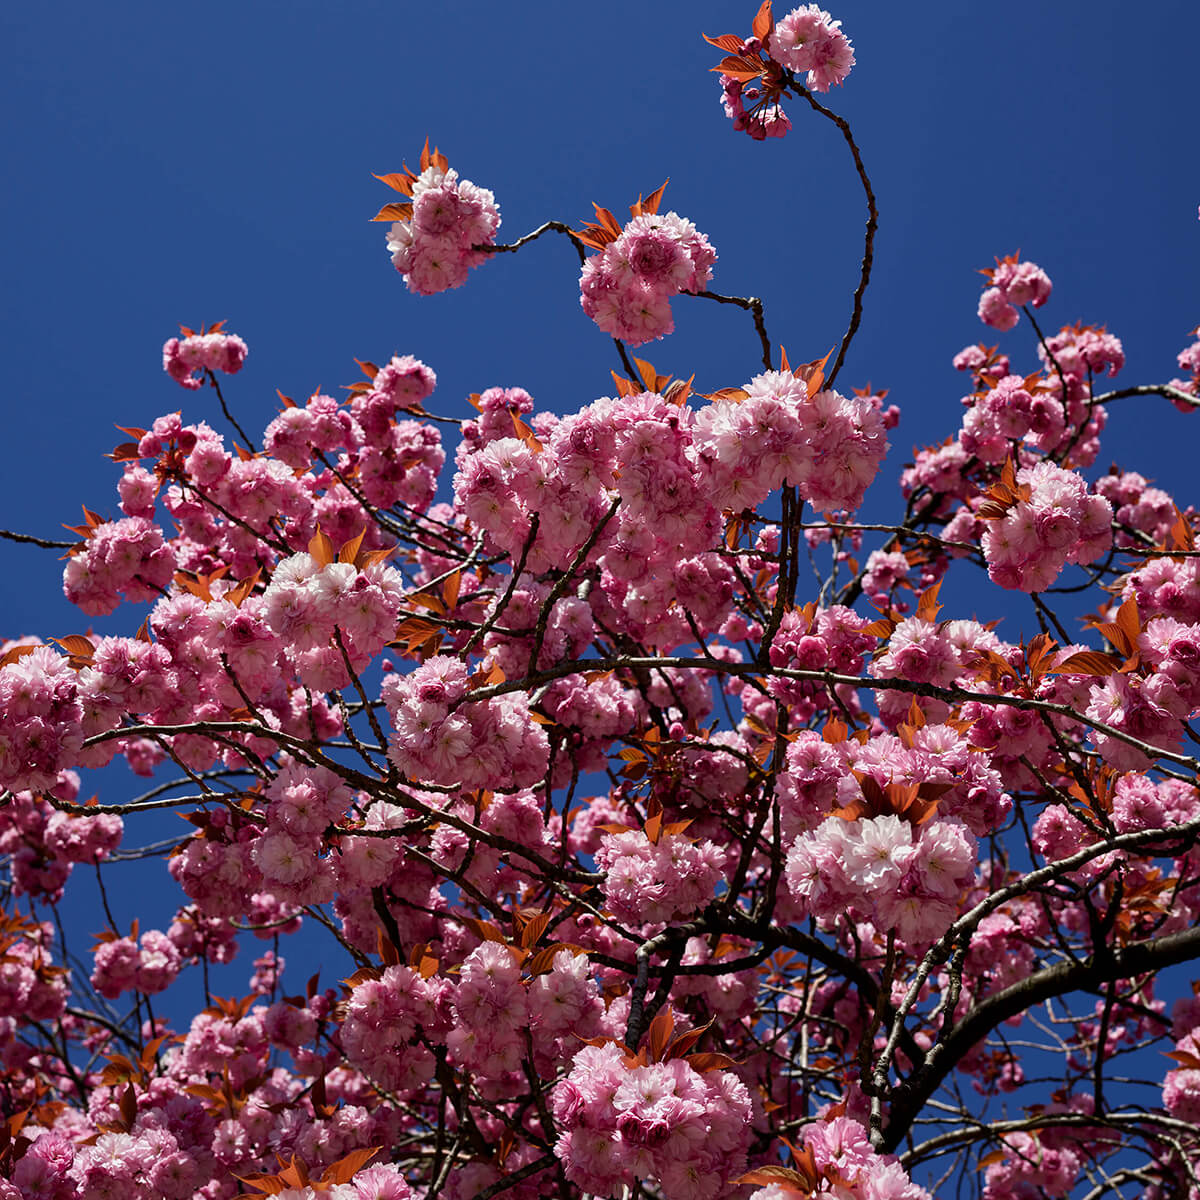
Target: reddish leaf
[729, 42]
[532, 928]
[660, 1032]
[321, 548]
[927, 603]
[764, 23]
[349, 1165]
[16, 654]
[1087, 662]
[349, 551]
[543, 960]
[394, 212]
[742, 67]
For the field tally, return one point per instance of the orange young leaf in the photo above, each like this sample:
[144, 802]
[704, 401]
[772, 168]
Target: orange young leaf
[387, 949]
[660, 1032]
[729, 42]
[76, 645]
[394, 212]
[651, 203]
[813, 373]
[531, 928]
[927, 603]
[15, 654]
[764, 23]
[321, 548]
[1087, 662]
[349, 551]
[240, 591]
[349, 1165]
[125, 452]
[398, 182]
[742, 67]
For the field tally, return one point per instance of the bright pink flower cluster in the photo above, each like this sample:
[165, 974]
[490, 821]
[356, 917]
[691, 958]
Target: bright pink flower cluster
[1058, 523]
[436, 247]
[899, 876]
[124, 964]
[828, 445]
[650, 882]
[385, 1017]
[31, 986]
[309, 606]
[849, 1166]
[1189, 360]
[809, 39]
[1013, 284]
[441, 736]
[120, 558]
[1181, 1088]
[627, 287]
[40, 718]
[1009, 411]
[216, 351]
[664, 1122]
[1081, 351]
[1034, 1164]
[1138, 506]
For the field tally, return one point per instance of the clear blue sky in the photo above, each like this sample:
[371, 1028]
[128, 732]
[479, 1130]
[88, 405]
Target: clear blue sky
[168, 163]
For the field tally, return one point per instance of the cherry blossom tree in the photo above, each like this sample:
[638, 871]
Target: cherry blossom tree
[644, 867]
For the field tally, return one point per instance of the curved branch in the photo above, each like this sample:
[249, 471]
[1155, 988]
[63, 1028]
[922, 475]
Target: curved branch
[1138, 958]
[868, 257]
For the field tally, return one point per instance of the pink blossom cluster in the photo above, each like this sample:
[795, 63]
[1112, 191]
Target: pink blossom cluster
[1166, 587]
[310, 607]
[183, 357]
[1081, 351]
[385, 1018]
[149, 964]
[899, 876]
[303, 803]
[436, 247]
[850, 1167]
[1147, 709]
[1189, 360]
[40, 719]
[441, 736]
[809, 40]
[1012, 410]
[925, 651]
[1181, 1088]
[826, 444]
[1013, 284]
[664, 1122]
[31, 986]
[120, 558]
[650, 882]
[322, 426]
[43, 844]
[146, 1164]
[627, 287]
[1028, 546]
[1138, 506]
[1034, 1164]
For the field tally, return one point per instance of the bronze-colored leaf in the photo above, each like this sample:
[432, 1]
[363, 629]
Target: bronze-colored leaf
[394, 212]
[1087, 662]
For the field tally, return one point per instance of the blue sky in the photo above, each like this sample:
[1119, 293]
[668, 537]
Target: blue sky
[171, 164]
